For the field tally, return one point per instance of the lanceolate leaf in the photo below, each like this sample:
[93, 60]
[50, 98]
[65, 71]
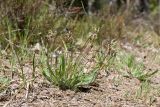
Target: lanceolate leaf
[88, 78]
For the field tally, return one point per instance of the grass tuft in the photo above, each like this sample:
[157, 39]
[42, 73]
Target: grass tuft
[66, 73]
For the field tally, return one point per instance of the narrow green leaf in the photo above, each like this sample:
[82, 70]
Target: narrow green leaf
[88, 78]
